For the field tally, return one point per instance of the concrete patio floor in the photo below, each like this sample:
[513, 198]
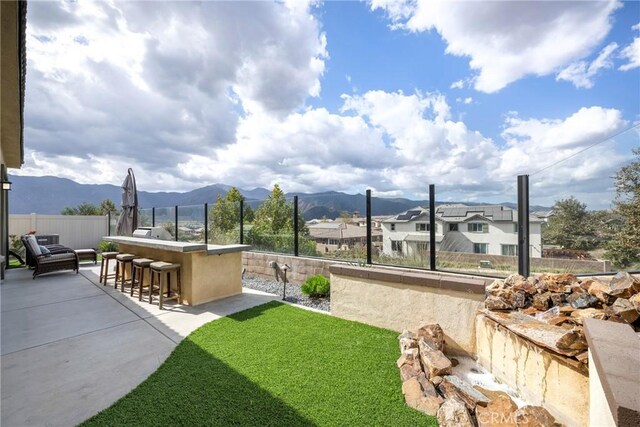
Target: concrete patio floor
[71, 347]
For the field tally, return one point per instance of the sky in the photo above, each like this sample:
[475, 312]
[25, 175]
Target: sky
[344, 96]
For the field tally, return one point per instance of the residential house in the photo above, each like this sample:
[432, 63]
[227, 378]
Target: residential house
[491, 230]
[335, 236]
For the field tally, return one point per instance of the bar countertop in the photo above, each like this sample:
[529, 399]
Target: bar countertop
[170, 245]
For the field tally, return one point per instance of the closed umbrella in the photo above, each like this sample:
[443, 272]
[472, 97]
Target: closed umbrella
[128, 220]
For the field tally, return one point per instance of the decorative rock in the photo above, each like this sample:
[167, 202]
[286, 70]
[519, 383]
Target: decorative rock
[410, 368]
[582, 300]
[600, 290]
[534, 416]
[497, 303]
[541, 301]
[454, 362]
[434, 361]
[572, 340]
[519, 299]
[588, 313]
[625, 309]
[453, 386]
[453, 413]
[407, 357]
[407, 340]
[415, 397]
[500, 412]
[433, 334]
[428, 389]
[526, 286]
[514, 279]
[624, 285]
[436, 380]
[583, 357]
[635, 300]
[557, 299]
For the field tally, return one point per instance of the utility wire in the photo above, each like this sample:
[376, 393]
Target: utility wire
[585, 149]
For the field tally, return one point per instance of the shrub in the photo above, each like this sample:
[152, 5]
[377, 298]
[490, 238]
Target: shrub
[105, 246]
[316, 286]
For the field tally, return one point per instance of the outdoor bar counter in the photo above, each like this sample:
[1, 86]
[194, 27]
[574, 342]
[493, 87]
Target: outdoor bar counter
[208, 272]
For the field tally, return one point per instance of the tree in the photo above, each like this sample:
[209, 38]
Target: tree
[571, 226]
[107, 207]
[624, 248]
[82, 209]
[275, 214]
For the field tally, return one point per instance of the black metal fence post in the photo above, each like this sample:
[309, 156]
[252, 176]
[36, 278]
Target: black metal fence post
[109, 223]
[206, 223]
[153, 217]
[523, 226]
[369, 240]
[295, 226]
[432, 227]
[176, 229]
[241, 221]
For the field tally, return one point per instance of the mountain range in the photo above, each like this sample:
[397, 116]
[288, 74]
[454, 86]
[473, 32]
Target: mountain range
[50, 195]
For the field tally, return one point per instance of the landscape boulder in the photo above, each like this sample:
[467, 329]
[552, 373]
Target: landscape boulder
[433, 334]
[534, 416]
[453, 386]
[453, 413]
[435, 363]
[624, 285]
[500, 412]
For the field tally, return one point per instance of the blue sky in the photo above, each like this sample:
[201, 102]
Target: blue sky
[389, 95]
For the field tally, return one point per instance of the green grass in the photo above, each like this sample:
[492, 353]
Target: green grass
[273, 365]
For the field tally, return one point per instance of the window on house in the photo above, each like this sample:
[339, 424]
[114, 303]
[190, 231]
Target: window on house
[396, 246]
[393, 227]
[478, 227]
[333, 241]
[423, 227]
[453, 227]
[480, 248]
[509, 250]
[515, 227]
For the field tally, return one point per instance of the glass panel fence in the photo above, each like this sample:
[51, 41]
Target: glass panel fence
[477, 233]
[272, 227]
[224, 222]
[400, 231]
[333, 230]
[145, 217]
[166, 218]
[191, 223]
[583, 212]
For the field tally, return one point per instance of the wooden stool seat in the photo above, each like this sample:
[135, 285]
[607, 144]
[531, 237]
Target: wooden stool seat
[138, 266]
[122, 260]
[104, 267]
[162, 270]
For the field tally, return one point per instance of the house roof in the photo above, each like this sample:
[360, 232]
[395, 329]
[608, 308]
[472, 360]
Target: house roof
[339, 231]
[461, 213]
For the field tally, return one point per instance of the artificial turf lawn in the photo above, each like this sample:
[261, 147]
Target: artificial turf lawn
[273, 365]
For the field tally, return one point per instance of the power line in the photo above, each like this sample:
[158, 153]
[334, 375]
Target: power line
[585, 149]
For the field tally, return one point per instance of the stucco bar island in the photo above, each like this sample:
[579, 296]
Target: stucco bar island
[209, 272]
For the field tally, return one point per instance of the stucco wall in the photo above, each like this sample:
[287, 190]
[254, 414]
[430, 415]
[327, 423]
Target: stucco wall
[399, 299]
[599, 411]
[257, 264]
[538, 376]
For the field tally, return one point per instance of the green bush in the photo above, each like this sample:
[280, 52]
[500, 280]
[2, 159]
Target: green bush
[316, 286]
[105, 246]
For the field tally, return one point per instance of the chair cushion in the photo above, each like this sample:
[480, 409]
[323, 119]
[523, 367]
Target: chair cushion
[109, 255]
[32, 243]
[46, 252]
[145, 262]
[125, 257]
[57, 258]
[161, 265]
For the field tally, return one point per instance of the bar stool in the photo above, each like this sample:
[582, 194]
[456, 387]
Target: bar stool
[162, 270]
[122, 260]
[138, 266]
[104, 267]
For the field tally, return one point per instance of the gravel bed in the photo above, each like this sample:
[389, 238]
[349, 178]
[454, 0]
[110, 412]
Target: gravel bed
[294, 294]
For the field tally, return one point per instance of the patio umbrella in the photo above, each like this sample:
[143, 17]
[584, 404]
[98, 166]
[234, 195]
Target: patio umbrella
[128, 220]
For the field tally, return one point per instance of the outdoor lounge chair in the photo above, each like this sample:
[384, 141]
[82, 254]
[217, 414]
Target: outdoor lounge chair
[60, 258]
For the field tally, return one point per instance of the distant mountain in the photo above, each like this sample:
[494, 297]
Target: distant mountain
[50, 195]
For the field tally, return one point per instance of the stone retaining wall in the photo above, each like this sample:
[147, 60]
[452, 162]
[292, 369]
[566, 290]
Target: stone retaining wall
[257, 264]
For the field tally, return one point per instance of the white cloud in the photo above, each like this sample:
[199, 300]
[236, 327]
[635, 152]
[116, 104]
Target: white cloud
[581, 73]
[458, 84]
[508, 40]
[158, 82]
[631, 53]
